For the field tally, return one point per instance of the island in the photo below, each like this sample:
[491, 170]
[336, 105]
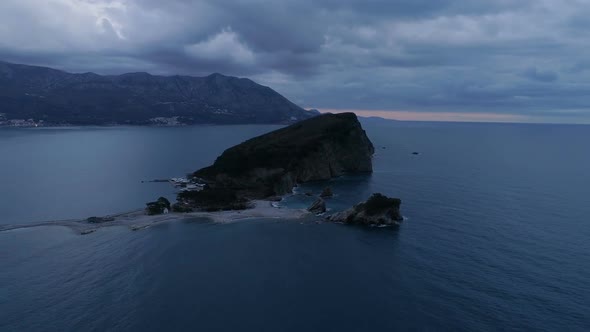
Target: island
[270, 165]
[246, 180]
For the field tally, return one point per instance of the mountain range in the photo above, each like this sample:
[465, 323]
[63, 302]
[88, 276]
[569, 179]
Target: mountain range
[32, 95]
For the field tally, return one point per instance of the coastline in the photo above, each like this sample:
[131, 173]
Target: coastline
[138, 219]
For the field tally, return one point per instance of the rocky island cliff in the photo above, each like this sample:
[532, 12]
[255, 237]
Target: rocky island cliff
[319, 148]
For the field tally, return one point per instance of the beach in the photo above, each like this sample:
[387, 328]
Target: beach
[138, 219]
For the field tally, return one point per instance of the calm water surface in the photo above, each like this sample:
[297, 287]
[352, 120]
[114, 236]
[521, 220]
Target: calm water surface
[496, 237]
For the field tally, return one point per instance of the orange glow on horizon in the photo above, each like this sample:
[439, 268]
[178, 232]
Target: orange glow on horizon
[435, 116]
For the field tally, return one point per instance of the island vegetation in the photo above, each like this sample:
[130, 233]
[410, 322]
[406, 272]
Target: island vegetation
[319, 148]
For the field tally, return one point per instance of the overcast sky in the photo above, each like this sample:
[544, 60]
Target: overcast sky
[494, 60]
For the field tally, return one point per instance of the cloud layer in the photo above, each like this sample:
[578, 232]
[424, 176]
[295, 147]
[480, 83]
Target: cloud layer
[523, 58]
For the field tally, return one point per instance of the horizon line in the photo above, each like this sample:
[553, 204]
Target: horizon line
[429, 116]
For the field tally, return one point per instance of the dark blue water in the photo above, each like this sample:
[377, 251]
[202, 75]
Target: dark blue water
[496, 237]
[49, 174]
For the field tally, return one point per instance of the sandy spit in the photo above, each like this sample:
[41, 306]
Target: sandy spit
[137, 219]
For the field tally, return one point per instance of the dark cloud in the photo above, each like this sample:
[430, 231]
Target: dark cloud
[504, 56]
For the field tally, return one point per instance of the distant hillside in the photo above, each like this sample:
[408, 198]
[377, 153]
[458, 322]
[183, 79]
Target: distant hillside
[54, 97]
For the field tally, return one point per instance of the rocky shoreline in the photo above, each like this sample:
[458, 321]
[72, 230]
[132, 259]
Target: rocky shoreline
[271, 165]
[378, 210]
[247, 180]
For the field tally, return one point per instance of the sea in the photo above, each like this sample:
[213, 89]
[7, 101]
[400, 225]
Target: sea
[496, 235]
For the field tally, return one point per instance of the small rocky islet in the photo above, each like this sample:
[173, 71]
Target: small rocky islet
[271, 165]
[378, 210]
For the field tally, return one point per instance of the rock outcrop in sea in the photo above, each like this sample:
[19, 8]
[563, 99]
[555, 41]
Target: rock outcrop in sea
[327, 193]
[162, 205]
[319, 206]
[378, 210]
[319, 148]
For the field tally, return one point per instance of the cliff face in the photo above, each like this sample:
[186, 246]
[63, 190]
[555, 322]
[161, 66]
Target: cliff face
[319, 148]
[58, 97]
